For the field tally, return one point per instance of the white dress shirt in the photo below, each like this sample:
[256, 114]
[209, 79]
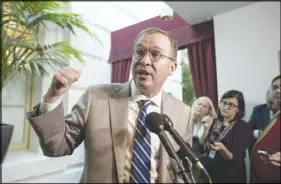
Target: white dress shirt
[134, 110]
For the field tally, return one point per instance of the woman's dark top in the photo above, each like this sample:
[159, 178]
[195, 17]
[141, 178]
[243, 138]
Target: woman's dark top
[237, 141]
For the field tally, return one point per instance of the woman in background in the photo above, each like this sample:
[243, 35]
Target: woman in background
[228, 139]
[202, 113]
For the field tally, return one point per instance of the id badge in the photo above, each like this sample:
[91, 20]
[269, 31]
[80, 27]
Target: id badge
[212, 154]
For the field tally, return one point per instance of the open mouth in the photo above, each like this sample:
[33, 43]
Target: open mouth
[143, 73]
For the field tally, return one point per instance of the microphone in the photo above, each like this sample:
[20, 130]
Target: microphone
[185, 148]
[155, 124]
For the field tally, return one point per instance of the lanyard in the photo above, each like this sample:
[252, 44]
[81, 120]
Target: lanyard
[198, 128]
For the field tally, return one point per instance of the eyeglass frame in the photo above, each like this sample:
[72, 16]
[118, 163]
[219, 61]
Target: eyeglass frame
[229, 104]
[274, 87]
[149, 55]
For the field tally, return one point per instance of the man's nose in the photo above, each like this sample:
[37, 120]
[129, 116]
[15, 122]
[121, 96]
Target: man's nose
[145, 60]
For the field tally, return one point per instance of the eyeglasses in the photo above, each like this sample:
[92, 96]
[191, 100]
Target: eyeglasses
[153, 55]
[229, 104]
[274, 87]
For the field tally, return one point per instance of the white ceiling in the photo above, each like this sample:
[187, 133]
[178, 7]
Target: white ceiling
[140, 10]
[197, 12]
[133, 12]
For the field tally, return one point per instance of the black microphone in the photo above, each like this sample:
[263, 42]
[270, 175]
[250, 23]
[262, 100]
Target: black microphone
[155, 124]
[185, 148]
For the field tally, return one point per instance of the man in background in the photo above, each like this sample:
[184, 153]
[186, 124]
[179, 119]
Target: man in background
[265, 160]
[263, 113]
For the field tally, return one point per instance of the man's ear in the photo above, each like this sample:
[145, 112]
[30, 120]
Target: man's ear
[173, 67]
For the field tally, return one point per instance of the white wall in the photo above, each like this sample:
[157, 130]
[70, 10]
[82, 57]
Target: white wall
[247, 43]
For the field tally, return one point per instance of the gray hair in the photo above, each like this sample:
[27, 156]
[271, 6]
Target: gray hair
[211, 112]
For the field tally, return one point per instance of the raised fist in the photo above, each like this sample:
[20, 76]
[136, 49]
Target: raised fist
[62, 81]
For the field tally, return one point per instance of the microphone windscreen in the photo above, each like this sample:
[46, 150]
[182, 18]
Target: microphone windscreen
[181, 152]
[167, 122]
[153, 121]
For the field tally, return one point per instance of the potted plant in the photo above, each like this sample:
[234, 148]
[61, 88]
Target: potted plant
[21, 50]
[7, 132]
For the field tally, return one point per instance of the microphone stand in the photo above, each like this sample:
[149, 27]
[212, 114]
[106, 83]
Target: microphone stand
[155, 124]
[188, 167]
[172, 169]
[171, 152]
[184, 150]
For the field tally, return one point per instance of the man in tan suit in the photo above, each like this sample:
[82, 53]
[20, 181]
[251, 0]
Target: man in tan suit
[105, 117]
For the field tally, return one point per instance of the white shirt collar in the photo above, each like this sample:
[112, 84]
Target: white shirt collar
[136, 95]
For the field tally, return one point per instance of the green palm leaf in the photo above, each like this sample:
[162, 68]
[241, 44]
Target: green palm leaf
[21, 51]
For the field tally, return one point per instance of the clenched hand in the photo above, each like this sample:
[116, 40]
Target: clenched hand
[62, 81]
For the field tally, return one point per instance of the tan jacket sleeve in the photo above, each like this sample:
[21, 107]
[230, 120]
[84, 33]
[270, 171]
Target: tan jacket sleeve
[189, 129]
[59, 135]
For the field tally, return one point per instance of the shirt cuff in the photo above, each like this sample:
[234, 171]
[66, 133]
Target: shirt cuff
[47, 107]
[256, 133]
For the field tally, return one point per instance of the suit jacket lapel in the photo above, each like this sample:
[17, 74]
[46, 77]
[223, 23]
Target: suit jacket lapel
[167, 105]
[119, 126]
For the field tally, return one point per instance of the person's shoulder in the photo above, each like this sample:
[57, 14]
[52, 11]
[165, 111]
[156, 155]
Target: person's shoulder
[101, 87]
[105, 90]
[178, 103]
[260, 107]
[244, 124]
[244, 129]
[242, 121]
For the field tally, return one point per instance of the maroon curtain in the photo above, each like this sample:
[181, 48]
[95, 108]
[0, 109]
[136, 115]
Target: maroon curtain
[203, 69]
[121, 71]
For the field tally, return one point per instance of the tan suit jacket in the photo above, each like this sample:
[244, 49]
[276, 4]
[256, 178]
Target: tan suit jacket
[100, 119]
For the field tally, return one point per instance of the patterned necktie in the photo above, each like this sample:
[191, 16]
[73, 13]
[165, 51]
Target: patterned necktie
[141, 165]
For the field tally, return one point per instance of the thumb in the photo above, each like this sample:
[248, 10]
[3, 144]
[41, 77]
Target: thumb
[216, 143]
